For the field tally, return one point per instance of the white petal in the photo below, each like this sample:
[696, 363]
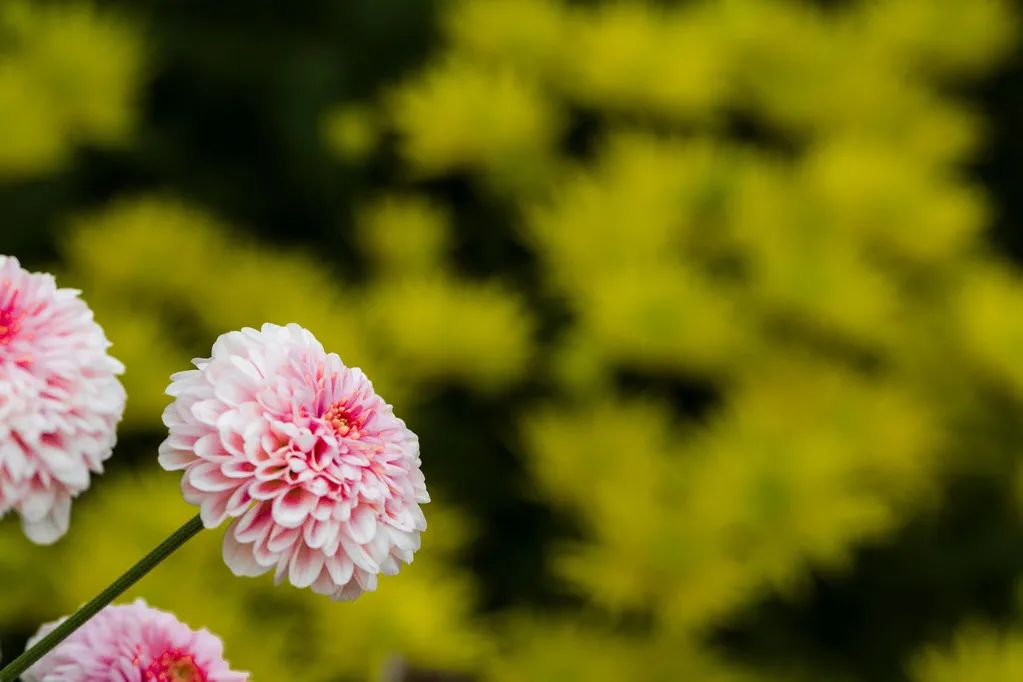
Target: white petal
[291, 509]
[239, 557]
[362, 526]
[340, 568]
[358, 555]
[305, 566]
[52, 526]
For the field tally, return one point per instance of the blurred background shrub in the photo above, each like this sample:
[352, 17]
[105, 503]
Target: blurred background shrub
[709, 316]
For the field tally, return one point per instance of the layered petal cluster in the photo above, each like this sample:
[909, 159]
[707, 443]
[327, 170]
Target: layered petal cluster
[133, 643]
[322, 479]
[60, 399]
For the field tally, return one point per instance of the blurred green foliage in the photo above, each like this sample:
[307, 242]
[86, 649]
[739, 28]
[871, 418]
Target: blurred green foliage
[67, 76]
[692, 304]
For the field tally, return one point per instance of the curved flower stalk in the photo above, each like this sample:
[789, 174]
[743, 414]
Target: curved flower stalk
[60, 399]
[134, 642]
[322, 479]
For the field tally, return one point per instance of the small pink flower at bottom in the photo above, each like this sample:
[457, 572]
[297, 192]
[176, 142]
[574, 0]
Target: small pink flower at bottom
[322, 479]
[133, 643]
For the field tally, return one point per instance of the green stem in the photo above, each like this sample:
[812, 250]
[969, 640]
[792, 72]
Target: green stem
[90, 609]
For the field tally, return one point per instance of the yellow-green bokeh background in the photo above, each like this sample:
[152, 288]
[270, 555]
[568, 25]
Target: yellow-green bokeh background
[708, 314]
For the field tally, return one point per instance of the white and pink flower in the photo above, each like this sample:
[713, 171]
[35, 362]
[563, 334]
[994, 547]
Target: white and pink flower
[133, 643]
[60, 399]
[323, 481]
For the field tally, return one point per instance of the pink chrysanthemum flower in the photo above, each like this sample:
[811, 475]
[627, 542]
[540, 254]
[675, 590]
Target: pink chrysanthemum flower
[322, 479]
[133, 643]
[60, 400]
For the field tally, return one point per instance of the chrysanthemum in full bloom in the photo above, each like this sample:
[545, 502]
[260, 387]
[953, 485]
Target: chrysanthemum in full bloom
[322, 479]
[133, 643]
[60, 400]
